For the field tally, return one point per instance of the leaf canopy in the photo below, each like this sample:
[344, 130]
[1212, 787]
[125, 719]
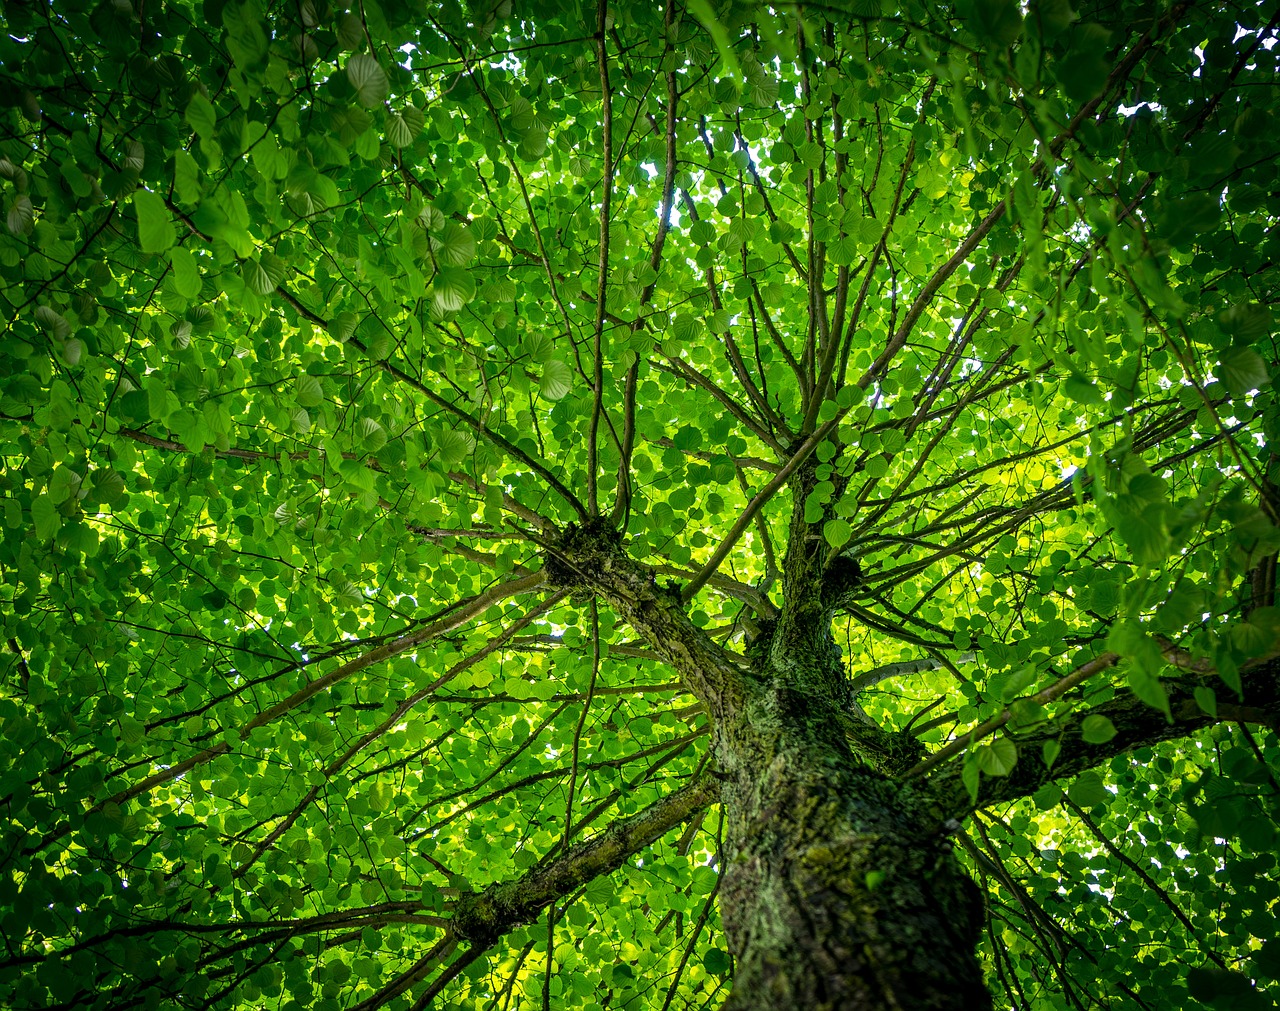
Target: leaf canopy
[322, 325]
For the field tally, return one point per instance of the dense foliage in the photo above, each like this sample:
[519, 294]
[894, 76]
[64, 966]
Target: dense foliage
[337, 341]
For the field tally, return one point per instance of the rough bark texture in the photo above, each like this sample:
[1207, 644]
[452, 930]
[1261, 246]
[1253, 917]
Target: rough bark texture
[840, 889]
[839, 886]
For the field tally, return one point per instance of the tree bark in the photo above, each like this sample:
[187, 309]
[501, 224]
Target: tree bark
[839, 886]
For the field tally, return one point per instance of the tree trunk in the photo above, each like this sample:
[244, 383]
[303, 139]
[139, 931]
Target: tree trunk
[840, 889]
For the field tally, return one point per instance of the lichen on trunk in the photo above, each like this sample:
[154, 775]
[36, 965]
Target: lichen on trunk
[840, 889]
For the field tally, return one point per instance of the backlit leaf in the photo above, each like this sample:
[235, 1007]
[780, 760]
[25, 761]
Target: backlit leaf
[556, 380]
[997, 757]
[155, 227]
[368, 79]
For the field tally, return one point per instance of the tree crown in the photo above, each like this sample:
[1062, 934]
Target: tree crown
[420, 424]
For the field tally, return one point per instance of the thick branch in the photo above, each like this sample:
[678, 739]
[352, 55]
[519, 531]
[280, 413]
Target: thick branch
[593, 558]
[1137, 724]
[484, 917]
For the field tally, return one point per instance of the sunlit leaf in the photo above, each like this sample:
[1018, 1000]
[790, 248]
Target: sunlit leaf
[1097, 729]
[155, 227]
[556, 380]
[997, 757]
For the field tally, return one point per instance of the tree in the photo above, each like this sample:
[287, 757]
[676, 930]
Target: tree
[518, 506]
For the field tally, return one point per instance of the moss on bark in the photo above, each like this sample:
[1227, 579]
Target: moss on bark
[840, 889]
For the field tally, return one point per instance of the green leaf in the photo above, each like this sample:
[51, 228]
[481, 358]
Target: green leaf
[1019, 681]
[622, 974]
[836, 532]
[403, 127]
[686, 327]
[186, 275]
[186, 178]
[1127, 638]
[53, 322]
[1250, 639]
[455, 446]
[1247, 322]
[1097, 729]
[44, 513]
[452, 289]
[1207, 700]
[1047, 797]
[1049, 752]
[716, 961]
[368, 79]
[1243, 370]
[22, 215]
[343, 326]
[1145, 534]
[371, 434]
[263, 274]
[556, 380]
[155, 228]
[1025, 713]
[350, 31]
[132, 730]
[308, 392]
[1081, 390]
[108, 484]
[483, 228]
[201, 117]
[1088, 790]
[687, 438]
[454, 245]
[998, 756]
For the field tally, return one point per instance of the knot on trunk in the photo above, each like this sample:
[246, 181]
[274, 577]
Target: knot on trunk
[575, 560]
[841, 582]
[473, 919]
